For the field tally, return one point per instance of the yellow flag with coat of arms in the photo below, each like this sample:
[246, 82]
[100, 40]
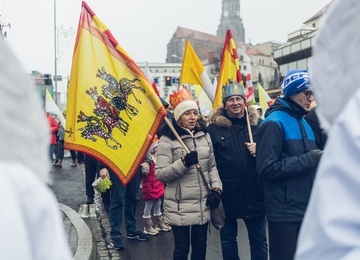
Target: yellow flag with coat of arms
[113, 112]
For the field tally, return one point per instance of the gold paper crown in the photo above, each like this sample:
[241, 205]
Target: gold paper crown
[179, 96]
[232, 89]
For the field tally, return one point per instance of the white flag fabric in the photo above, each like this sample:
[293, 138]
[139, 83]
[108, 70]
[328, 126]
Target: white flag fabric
[51, 107]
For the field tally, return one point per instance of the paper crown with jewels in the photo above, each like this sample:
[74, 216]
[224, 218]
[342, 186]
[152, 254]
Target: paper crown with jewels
[181, 101]
[232, 89]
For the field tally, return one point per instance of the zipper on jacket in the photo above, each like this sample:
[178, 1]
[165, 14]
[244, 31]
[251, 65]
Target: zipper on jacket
[199, 179]
[178, 195]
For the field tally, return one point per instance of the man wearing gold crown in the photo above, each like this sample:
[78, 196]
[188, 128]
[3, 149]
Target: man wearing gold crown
[242, 194]
[186, 207]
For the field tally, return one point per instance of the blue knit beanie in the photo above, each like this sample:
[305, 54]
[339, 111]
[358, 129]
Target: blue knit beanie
[295, 81]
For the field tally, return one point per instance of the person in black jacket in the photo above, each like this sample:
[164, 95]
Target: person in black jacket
[320, 135]
[242, 194]
[287, 158]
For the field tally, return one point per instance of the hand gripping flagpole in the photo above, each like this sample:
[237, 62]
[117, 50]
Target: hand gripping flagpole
[198, 166]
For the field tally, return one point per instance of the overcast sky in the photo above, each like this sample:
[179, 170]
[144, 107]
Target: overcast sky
[142, 27]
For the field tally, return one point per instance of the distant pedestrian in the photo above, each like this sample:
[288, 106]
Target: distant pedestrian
[54, 128]
[60, 146]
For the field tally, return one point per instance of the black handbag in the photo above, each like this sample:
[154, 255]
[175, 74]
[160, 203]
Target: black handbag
[218, 213]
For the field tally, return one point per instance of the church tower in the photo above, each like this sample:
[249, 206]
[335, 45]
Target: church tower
[230, 19]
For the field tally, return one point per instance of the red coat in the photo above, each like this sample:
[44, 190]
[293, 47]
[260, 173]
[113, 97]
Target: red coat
[54, 127]
[152, 188]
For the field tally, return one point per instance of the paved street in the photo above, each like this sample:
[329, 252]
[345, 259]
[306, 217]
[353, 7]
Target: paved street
[87, 227]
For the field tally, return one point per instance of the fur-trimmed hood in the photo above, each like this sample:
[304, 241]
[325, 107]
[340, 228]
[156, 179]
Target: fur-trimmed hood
[218, 117]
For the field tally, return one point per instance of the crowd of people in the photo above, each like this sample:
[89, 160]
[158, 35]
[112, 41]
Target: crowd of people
[263, 181]
[262, 169]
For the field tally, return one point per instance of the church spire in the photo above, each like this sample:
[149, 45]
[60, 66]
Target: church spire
[230, 19]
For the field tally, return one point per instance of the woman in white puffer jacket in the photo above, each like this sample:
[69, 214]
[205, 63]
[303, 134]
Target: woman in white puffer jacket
[185, 195]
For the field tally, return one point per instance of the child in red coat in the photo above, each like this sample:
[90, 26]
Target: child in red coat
[152, 191]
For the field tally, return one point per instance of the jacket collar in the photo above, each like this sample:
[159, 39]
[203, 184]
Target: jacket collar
[220, 118]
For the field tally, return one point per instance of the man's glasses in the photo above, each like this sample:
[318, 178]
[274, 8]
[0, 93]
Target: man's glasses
[308, 94]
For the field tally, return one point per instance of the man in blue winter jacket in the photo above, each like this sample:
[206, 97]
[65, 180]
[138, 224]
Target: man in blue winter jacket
[287, 158]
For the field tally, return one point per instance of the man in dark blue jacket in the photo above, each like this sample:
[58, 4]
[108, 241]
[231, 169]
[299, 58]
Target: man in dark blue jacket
[242, 195]
[287, 158]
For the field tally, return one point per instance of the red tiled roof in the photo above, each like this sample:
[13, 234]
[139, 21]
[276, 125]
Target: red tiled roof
[182, 32]
[255, 51]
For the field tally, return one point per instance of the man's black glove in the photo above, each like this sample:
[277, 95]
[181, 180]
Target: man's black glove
[213, 199]
[191, 158]
[316, 155]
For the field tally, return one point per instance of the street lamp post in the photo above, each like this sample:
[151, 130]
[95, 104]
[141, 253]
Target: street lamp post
[175, 56]
[55, 53]
[3, 26]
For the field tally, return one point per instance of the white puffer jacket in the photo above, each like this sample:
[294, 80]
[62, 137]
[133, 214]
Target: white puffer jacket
[185, 193]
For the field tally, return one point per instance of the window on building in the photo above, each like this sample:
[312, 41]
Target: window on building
[226, 13]
[245, 67]
[175, 80]
[302, 64]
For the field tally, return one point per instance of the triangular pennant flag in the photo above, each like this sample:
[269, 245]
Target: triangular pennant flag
[113, 112]
[264, 98]
[193, 72]
[51, 107]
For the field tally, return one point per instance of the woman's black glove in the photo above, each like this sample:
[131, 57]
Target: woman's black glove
[213, 199]
[191, 158]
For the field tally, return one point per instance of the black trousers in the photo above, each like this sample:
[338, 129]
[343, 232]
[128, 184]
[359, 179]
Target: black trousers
[282, 239]
[90, 175]
[183, 235]
[60, 149]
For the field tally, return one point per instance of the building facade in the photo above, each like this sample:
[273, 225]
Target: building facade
[297, 51]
